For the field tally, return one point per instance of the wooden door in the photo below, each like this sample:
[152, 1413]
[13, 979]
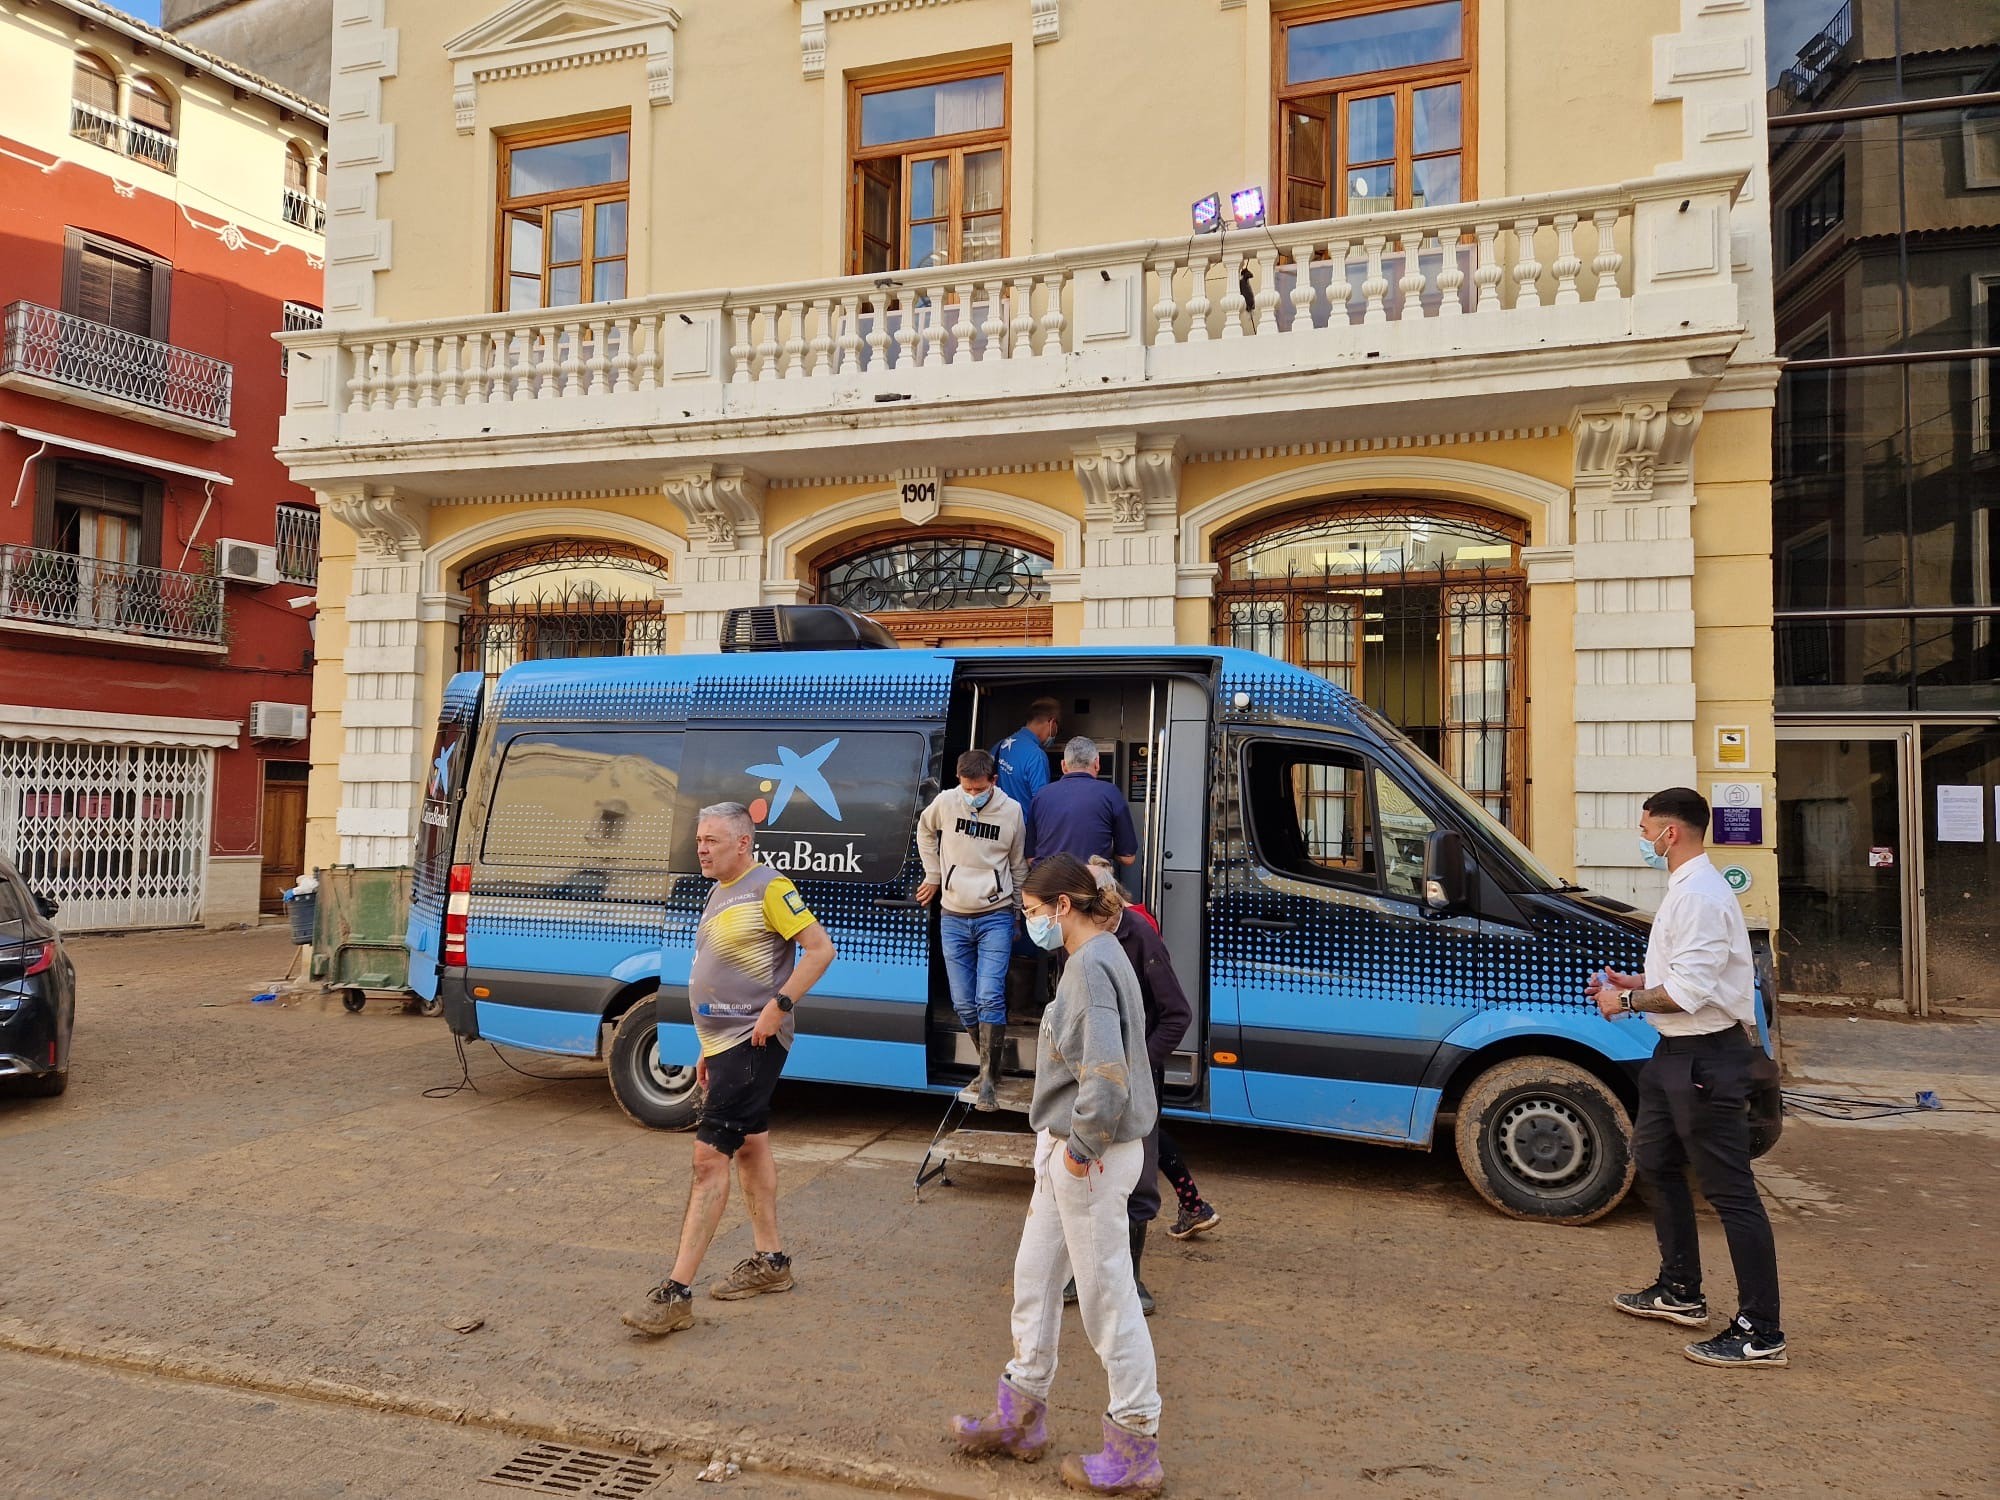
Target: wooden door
[284, 841]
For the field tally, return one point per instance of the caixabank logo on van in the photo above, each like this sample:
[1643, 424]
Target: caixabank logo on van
[828, 805]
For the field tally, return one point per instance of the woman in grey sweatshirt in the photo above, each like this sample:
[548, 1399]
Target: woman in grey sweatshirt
[1093, 1107]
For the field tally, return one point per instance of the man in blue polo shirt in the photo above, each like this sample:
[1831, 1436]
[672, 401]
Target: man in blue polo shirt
[1079, 814]
[1023, 757]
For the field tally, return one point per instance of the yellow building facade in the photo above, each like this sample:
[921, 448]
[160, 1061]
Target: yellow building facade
[641, 312]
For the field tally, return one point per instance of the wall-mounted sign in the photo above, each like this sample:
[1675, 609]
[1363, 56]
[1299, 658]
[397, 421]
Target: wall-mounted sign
[1880, 858]
[1732, 747]
[920, 494]
[1738, 878]
[1961, 816]
[1738, 812]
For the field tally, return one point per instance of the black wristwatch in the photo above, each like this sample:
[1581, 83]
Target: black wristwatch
[785, 1003]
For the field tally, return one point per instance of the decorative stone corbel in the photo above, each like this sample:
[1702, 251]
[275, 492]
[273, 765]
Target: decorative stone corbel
[1128, 479]
[1627, 451]
[385, 524]
[1045, 20]
[812, 38]
[723, 502]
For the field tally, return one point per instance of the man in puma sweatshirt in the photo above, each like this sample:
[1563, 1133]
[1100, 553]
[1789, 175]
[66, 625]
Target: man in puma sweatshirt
[972, 840]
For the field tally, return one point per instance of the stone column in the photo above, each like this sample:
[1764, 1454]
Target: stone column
[385, 739]
[1634, 630]
[724, 506]
[1131, 536]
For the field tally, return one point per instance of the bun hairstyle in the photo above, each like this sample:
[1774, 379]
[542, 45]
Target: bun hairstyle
[1102, 871]
[1066, 875]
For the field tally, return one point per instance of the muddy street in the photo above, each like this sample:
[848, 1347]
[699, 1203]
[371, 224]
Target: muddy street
[258, 1204]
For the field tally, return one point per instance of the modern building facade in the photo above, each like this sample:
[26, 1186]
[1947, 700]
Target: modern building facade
[1885, 168]
[638, 312]
[163, 225]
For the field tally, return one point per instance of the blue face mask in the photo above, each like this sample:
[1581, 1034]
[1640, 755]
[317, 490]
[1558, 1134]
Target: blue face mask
[1045, 931]
[1653, 858]
[979, 802]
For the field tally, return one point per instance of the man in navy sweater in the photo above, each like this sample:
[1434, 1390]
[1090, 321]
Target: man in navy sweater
[1080, 815]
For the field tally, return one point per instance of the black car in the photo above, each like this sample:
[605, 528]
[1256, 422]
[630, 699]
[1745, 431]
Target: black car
[37, 991]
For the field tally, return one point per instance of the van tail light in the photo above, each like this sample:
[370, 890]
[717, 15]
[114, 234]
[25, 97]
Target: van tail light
[457, 906]
[42, 962]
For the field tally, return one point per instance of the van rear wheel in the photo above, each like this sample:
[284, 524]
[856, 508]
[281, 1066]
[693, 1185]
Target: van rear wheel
[1542, 1139]
[651, 1092]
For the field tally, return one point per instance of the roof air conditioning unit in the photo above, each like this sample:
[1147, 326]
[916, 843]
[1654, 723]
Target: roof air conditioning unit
[246, 562]
[279, 721]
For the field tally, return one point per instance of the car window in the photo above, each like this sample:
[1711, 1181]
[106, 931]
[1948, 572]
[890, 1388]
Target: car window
[14, 903]
[1308, 811]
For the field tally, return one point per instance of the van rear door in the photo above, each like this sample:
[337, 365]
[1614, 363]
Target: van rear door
[437, 825]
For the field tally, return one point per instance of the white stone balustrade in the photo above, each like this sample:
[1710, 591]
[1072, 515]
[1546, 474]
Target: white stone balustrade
[1640, 260]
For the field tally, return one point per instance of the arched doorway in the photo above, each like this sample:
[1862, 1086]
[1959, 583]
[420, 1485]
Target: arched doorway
[973, 586]
[1418, 608]
[570, 597]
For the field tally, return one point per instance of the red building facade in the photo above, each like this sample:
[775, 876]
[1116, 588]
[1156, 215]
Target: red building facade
[156, 565]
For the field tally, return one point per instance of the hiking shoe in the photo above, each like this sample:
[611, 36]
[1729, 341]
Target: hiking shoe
[665, 1309]
[1739, 1345]
[1197, 1220]
[755, 1276]
[1661, 1301]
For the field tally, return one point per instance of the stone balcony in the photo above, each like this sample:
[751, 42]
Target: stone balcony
[1480, 316]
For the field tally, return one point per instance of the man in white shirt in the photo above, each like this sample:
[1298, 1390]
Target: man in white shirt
[1694, 1093]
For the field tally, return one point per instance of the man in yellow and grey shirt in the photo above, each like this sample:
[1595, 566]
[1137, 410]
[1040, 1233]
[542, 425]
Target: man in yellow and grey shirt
[747, 976]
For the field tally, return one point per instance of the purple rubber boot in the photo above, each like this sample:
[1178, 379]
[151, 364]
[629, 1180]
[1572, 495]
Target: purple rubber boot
[1018, 1425]
[1129, 1465]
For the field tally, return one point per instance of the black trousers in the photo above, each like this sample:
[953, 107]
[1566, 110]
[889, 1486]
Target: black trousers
[1694, 1109]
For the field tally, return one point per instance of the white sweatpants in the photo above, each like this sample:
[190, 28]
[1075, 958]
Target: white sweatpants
[1080, 1224]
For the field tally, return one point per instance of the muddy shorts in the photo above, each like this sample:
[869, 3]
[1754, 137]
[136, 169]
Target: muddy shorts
[741, 1083]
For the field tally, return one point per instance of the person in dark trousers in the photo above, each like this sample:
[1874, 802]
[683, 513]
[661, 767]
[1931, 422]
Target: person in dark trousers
[1079, 815]
[1023, 757]
[756, 954]
[1694, 1092]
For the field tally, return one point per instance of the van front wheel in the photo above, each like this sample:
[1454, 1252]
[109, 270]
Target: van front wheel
[650, 1091]
[1540, 1138]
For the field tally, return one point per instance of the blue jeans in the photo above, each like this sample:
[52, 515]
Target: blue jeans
[976, 950]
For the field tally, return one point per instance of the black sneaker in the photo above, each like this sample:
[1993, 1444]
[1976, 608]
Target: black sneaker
[1192, 1221]
[1661, 1301]
[1739, 1345]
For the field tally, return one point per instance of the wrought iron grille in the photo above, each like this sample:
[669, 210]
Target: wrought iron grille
[1439, 651]
[549, 558]
[95, 357]
[298, 316]
[44, 587]
[305, 211]
[154, 147]
[98, 126]
[494, 637]
[297, 537]
[942, 573]
[117, 833]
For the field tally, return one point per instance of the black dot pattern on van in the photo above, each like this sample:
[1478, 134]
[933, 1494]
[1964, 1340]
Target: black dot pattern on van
[898, 696]
[635, 924]
[1280, 693]
[615, 701]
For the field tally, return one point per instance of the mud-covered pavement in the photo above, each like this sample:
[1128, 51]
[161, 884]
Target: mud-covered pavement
[238, 1198]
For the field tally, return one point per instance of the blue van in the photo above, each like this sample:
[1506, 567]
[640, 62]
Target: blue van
[1368, 952]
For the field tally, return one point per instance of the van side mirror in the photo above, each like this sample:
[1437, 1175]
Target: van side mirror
[1447, 875]
[46, 905]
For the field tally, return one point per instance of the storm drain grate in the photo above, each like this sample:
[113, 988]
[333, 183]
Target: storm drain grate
[556, 1469]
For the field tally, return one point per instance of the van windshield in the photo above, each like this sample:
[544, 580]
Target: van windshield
[1528, 865]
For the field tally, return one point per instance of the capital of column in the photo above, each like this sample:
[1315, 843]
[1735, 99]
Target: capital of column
[386, 523]
[723, 503]
[1130, 483]
[1624, 452]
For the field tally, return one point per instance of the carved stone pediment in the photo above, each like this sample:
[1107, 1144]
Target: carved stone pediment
[540, 36]
[723, 503]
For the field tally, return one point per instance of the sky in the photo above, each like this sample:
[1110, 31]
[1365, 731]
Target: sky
[146, 10]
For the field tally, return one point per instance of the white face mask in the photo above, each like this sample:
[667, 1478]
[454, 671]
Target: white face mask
[1653, 857]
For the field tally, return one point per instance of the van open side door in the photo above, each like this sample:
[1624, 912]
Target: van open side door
[437, 825]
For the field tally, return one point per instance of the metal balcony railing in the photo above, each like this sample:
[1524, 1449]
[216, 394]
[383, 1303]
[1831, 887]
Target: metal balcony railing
[39, 586]
[154, 147]
[101, 360]
[306, 212]
[1812, 72]
[98, 126]
[297, 537]
[127, 137]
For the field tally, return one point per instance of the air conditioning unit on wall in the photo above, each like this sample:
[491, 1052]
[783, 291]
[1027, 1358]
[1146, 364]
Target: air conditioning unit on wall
[279, 721]
[246, 562]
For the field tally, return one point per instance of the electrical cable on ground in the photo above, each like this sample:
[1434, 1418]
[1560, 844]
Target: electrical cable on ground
[1847, 1107]
[446, 1090]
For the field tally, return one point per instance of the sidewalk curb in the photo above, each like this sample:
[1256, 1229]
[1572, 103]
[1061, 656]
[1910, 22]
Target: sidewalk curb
[696, 1444]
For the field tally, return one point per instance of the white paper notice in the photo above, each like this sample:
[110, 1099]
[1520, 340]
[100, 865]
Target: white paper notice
[1961, 815]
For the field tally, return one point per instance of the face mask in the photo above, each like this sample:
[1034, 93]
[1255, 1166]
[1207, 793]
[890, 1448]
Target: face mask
[979, 802]
[1045, 931]
[1653, 858]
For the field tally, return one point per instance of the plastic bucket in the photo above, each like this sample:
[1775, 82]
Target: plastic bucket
[301, 909]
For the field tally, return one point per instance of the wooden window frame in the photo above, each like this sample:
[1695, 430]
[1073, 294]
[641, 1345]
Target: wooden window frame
[1337, 92]
[76, 241]
[955, 146]
[588, 199]
[152, 504]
